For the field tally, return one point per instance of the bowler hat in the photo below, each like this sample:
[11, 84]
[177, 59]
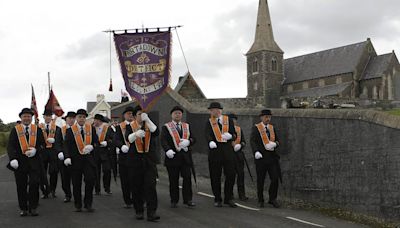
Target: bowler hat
[265, 112]
[215, 105]
[136, 110]
[233, 116]
[176, 108]
[26, 111]
[128, 109]
[70, 114]
[81, 112]
[99, 117]
[47, 112]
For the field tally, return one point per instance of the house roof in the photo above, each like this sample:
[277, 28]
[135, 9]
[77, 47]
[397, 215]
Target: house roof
[188, 80]
[377, 66]
[324, 63]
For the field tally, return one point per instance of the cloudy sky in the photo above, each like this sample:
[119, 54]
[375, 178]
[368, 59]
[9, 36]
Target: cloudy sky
[65, 38]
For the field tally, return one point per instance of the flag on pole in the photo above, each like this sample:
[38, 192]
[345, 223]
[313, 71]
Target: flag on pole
[34, 106]
[53, 105]
[110, 88]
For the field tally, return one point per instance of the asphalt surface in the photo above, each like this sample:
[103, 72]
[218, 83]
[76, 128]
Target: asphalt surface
[110, 212]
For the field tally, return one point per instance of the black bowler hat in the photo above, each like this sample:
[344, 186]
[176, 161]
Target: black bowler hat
[176, 108]
[128, 109]
[99, 117]
[70, 114]
[106, 119]
[265, 112]
[215, 105]
[26, 111]
[47, 112]
[136, 110]
[233, 116]
[81, 112]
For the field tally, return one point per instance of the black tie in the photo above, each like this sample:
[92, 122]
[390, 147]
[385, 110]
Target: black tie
[179, 128]
[47, 129]
[82, 133]
[27, 133]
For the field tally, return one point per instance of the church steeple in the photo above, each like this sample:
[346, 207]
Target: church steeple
[264, 39]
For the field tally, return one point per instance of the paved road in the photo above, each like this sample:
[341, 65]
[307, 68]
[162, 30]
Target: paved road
[110, 213]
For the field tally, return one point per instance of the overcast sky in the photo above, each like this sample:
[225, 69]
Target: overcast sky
[65, 38]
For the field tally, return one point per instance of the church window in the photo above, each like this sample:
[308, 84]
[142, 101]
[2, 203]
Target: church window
[274, 65]
[255, 86]
[255, 66]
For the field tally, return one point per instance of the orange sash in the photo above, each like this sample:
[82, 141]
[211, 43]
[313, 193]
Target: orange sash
[22, 139]
[103, 134]
[217, 131]
[78, 137]
[175, 134]
[64, 131]
[263, 133]
[239, 135]
[52, 133]
[139, 141]
[123, 130]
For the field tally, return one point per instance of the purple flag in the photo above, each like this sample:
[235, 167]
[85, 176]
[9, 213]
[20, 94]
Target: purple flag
[145, 64]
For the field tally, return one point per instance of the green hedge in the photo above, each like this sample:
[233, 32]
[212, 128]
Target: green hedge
[3, 142]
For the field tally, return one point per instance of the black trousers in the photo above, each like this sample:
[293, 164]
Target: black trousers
[126, 185]
[215, 168]
[174, 172]
[88, 173]
[105, 167]
[27, 188]
[44, 182]
[53, 180]
[240, 178]
[273, 172]
[66, 178]
[143, 177]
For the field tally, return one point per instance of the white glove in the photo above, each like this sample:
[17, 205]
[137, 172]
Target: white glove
[14, 163]
[212, 145]
[185, 149]
[117, 150]
[226, 136]
[51, 140]
[132, 137]
[258, 155]
[61, 156]
[145, 117]
[273, 144]
[87, 149]
[170, 153]
[237, 147]
[140, 134]
[184, 143]
[31, 152]
[103, 144]
[125, 149]
[67, 162]
[270, 146]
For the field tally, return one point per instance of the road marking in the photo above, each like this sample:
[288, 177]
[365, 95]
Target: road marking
[205, 194]
[246, 207]
[305, 222]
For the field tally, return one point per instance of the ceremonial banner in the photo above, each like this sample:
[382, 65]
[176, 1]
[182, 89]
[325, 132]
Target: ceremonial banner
[34, 106]
[145, 64]
[53, 105]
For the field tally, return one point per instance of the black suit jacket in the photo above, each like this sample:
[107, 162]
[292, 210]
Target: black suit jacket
[181, 157]
[258, 145]
[104, 153]
[224, 151]
[240, 153]
[71, 150]
[14, 152]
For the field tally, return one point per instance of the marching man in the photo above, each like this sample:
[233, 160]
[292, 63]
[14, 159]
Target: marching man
[176, 140]
[220, 133]
[66, 172]
[24, 147]
[264, 142]
[81, 140]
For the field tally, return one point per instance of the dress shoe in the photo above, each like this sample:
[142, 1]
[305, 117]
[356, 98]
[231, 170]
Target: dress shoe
[217, 204]
[139, 216]
[190, 204]
[261, 204]
[89, 209]
[174, 205]
[128, 206]
[23, 213]
[45, 196]
[97, 193]
[109, 192]
[274, 203]
[67, 199]
[153, 217]
[231, 204]
[78, 209]
[243, 198]
[34, 212]
[53, 194]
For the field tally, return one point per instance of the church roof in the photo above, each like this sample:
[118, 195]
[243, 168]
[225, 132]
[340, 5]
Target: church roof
[324, 63]
[329, 90]
[377, 66]
[188, 87]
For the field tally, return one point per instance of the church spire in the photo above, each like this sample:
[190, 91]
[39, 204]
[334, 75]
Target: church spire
[264, 39]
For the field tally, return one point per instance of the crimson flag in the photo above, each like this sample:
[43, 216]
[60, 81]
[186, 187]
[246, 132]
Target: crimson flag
[34, 106]
[53, 105]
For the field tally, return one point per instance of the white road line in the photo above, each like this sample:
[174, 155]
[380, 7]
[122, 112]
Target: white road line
[205, 194]
[246, 207]
[305, 222]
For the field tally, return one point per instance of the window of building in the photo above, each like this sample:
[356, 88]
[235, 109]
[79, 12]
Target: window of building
[274, 65]
[255, 86]
[255, 66]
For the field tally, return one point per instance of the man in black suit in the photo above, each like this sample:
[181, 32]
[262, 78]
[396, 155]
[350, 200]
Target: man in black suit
[122, 145]
[81, 140]
[25, 144]
[176, 141]
[142, 160]
[238, 146]
[53, 137]
[264, 142]
[103, 153]
[220, 133]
